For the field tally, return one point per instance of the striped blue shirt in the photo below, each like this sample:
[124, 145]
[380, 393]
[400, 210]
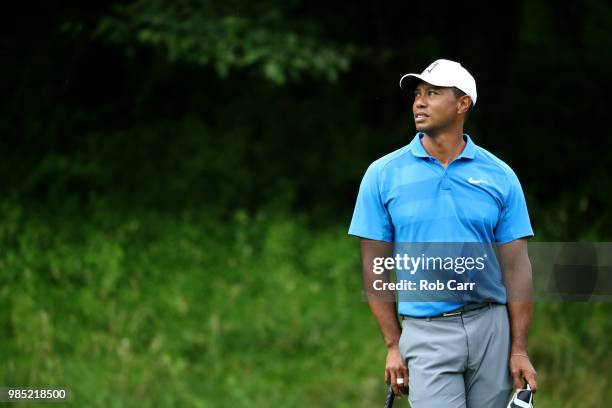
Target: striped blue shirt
[408, 196]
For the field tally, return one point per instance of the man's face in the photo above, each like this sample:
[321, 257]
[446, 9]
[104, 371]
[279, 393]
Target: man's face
[434, 108]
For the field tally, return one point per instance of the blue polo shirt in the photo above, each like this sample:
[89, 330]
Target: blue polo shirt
[407, 196]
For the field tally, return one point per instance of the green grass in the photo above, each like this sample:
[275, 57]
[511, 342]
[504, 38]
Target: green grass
[139, 309]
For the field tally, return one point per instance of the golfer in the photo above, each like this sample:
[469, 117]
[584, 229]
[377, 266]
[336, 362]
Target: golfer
[443, 188]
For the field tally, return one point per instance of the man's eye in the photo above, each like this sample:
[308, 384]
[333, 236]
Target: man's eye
[431, 93]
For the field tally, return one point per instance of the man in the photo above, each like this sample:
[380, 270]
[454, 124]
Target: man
[442, 188]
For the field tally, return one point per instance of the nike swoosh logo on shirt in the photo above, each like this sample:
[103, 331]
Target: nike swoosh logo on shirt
[472, 180]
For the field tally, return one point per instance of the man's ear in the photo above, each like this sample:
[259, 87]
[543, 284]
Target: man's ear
[464, 104]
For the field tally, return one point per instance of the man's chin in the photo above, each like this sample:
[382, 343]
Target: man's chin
[421, 128]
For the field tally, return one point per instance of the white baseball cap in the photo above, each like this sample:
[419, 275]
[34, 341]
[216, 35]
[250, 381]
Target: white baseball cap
[447, 73]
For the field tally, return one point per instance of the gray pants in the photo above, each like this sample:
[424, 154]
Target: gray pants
[458, 361]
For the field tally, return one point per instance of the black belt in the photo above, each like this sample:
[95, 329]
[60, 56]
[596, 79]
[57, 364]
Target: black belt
[457, 312]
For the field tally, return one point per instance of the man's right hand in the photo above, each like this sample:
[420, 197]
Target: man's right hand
[394, 369]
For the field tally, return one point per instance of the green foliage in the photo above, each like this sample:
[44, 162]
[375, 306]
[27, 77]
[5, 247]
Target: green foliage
[152, 309]
[210, 305]
[570, 344]
[228, 35]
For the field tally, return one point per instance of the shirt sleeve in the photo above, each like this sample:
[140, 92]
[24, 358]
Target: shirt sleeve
[514, 220]
[371, 219]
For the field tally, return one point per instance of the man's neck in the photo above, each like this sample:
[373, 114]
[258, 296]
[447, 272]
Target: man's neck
[445, 147]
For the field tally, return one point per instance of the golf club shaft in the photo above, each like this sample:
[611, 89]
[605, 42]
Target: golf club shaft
[390, 398]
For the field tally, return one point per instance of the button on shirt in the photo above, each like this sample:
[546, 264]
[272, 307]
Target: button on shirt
[408, 196]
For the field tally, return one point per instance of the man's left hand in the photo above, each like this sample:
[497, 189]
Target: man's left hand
[522, 370]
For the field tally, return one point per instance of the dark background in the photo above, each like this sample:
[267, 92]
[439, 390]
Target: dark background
[143, 142]
[94, 108]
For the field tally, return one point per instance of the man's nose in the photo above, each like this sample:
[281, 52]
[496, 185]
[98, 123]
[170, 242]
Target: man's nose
[419, 101]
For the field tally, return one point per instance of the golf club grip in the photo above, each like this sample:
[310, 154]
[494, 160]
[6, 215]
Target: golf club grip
[390, 398]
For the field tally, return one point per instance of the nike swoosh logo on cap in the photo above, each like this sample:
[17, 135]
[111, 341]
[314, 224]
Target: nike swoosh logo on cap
[431, 67]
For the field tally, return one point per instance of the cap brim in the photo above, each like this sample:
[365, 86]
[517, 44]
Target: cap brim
[411, 78]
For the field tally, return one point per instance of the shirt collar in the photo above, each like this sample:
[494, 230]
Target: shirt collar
[416, 147]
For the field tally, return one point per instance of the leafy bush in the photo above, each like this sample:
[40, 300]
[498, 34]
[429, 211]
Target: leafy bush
[153, 309]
